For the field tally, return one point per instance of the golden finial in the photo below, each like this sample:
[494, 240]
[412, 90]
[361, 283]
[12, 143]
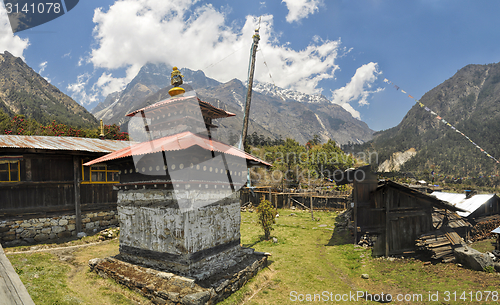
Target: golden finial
[101, 136]
[176, 81]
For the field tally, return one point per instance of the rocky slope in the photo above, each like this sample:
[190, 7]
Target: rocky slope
[470, 102]
[23, 91]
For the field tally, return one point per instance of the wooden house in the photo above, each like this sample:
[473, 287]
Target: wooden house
[42, 175]
[399, 215]
[392, 213]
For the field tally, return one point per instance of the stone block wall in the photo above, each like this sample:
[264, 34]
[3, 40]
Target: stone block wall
[47, 229]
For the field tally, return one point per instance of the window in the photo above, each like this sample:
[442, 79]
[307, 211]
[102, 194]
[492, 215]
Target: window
[9, 171]
[100, 173]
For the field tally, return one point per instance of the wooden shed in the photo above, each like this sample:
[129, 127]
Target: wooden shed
[40, 175]
[393, 214]
[398, 215]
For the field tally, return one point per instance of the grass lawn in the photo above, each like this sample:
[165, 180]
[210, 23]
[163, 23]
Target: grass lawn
[484, 245]
[308, 259]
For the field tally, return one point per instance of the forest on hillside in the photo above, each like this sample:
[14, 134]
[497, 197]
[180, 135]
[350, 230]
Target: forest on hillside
[19, 124]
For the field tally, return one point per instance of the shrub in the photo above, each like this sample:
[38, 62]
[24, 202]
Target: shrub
[266, 217]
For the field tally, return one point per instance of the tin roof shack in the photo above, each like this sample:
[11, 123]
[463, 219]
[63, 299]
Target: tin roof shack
[399, 215]
[40, 175]
[396, 214]
[476, 206]
[177, 201]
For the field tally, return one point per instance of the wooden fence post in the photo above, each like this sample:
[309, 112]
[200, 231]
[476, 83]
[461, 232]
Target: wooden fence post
[312, 214]
[387, 222]
[78, 210]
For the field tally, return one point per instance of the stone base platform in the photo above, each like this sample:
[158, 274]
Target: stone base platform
[168, 288]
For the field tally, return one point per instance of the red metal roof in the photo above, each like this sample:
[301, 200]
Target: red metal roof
[61, 143]
[175, 142]
[205, 107]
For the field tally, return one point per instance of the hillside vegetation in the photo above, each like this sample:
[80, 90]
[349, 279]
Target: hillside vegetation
[25, 92]
[470, 102]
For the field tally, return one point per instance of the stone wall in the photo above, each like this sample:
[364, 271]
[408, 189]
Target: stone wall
[190, 232]
[35, 230]
[168, 288]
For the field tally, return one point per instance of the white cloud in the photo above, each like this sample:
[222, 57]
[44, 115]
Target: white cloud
[78, 90]
[111, 84]
[357, 88]
[299, 9]
[8, 41]
[197, 36]
[42, 66]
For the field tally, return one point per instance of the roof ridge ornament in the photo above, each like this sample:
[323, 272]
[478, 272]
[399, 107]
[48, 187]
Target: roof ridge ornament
[176, 81]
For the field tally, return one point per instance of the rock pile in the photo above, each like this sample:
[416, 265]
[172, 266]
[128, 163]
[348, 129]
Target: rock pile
[344, 221]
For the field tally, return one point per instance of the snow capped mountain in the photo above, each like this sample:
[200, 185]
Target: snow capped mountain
[275, 112]
[288, 94]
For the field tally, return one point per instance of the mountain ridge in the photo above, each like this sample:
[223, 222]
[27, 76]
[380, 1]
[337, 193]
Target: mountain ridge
[23, 91]
[468, 101]
[274, 111]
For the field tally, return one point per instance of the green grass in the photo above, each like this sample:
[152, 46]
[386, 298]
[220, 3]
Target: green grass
[486, 245]
[63, 276]
[309, 258]
[44, 278]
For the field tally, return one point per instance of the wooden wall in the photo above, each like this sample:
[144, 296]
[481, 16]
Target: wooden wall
[47, 186]
[490, 207]
[399, 218]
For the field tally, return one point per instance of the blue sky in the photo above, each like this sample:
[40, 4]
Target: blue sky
[342, 49]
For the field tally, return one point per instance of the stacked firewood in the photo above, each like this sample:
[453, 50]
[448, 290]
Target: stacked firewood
[365, 241]
[482, 230]
[439, 244]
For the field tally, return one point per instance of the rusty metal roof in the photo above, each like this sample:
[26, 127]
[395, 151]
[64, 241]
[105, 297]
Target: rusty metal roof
[207, 108]
[62, 143]
[175, 142]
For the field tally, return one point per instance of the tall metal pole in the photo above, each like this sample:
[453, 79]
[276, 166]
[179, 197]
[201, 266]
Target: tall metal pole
[256, 38]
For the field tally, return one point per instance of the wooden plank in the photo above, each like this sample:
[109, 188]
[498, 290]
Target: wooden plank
[435, 245]
[300, 203]
[387, 222]
[311, 202]
[77, 191]
[12, 290]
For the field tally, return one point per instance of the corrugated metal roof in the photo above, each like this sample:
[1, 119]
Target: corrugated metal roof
[175, 142]
[62, 143]
[458, 200]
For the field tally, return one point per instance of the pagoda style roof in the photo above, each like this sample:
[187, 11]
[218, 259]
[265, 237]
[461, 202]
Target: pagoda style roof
[177, 142]
[206, 108]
